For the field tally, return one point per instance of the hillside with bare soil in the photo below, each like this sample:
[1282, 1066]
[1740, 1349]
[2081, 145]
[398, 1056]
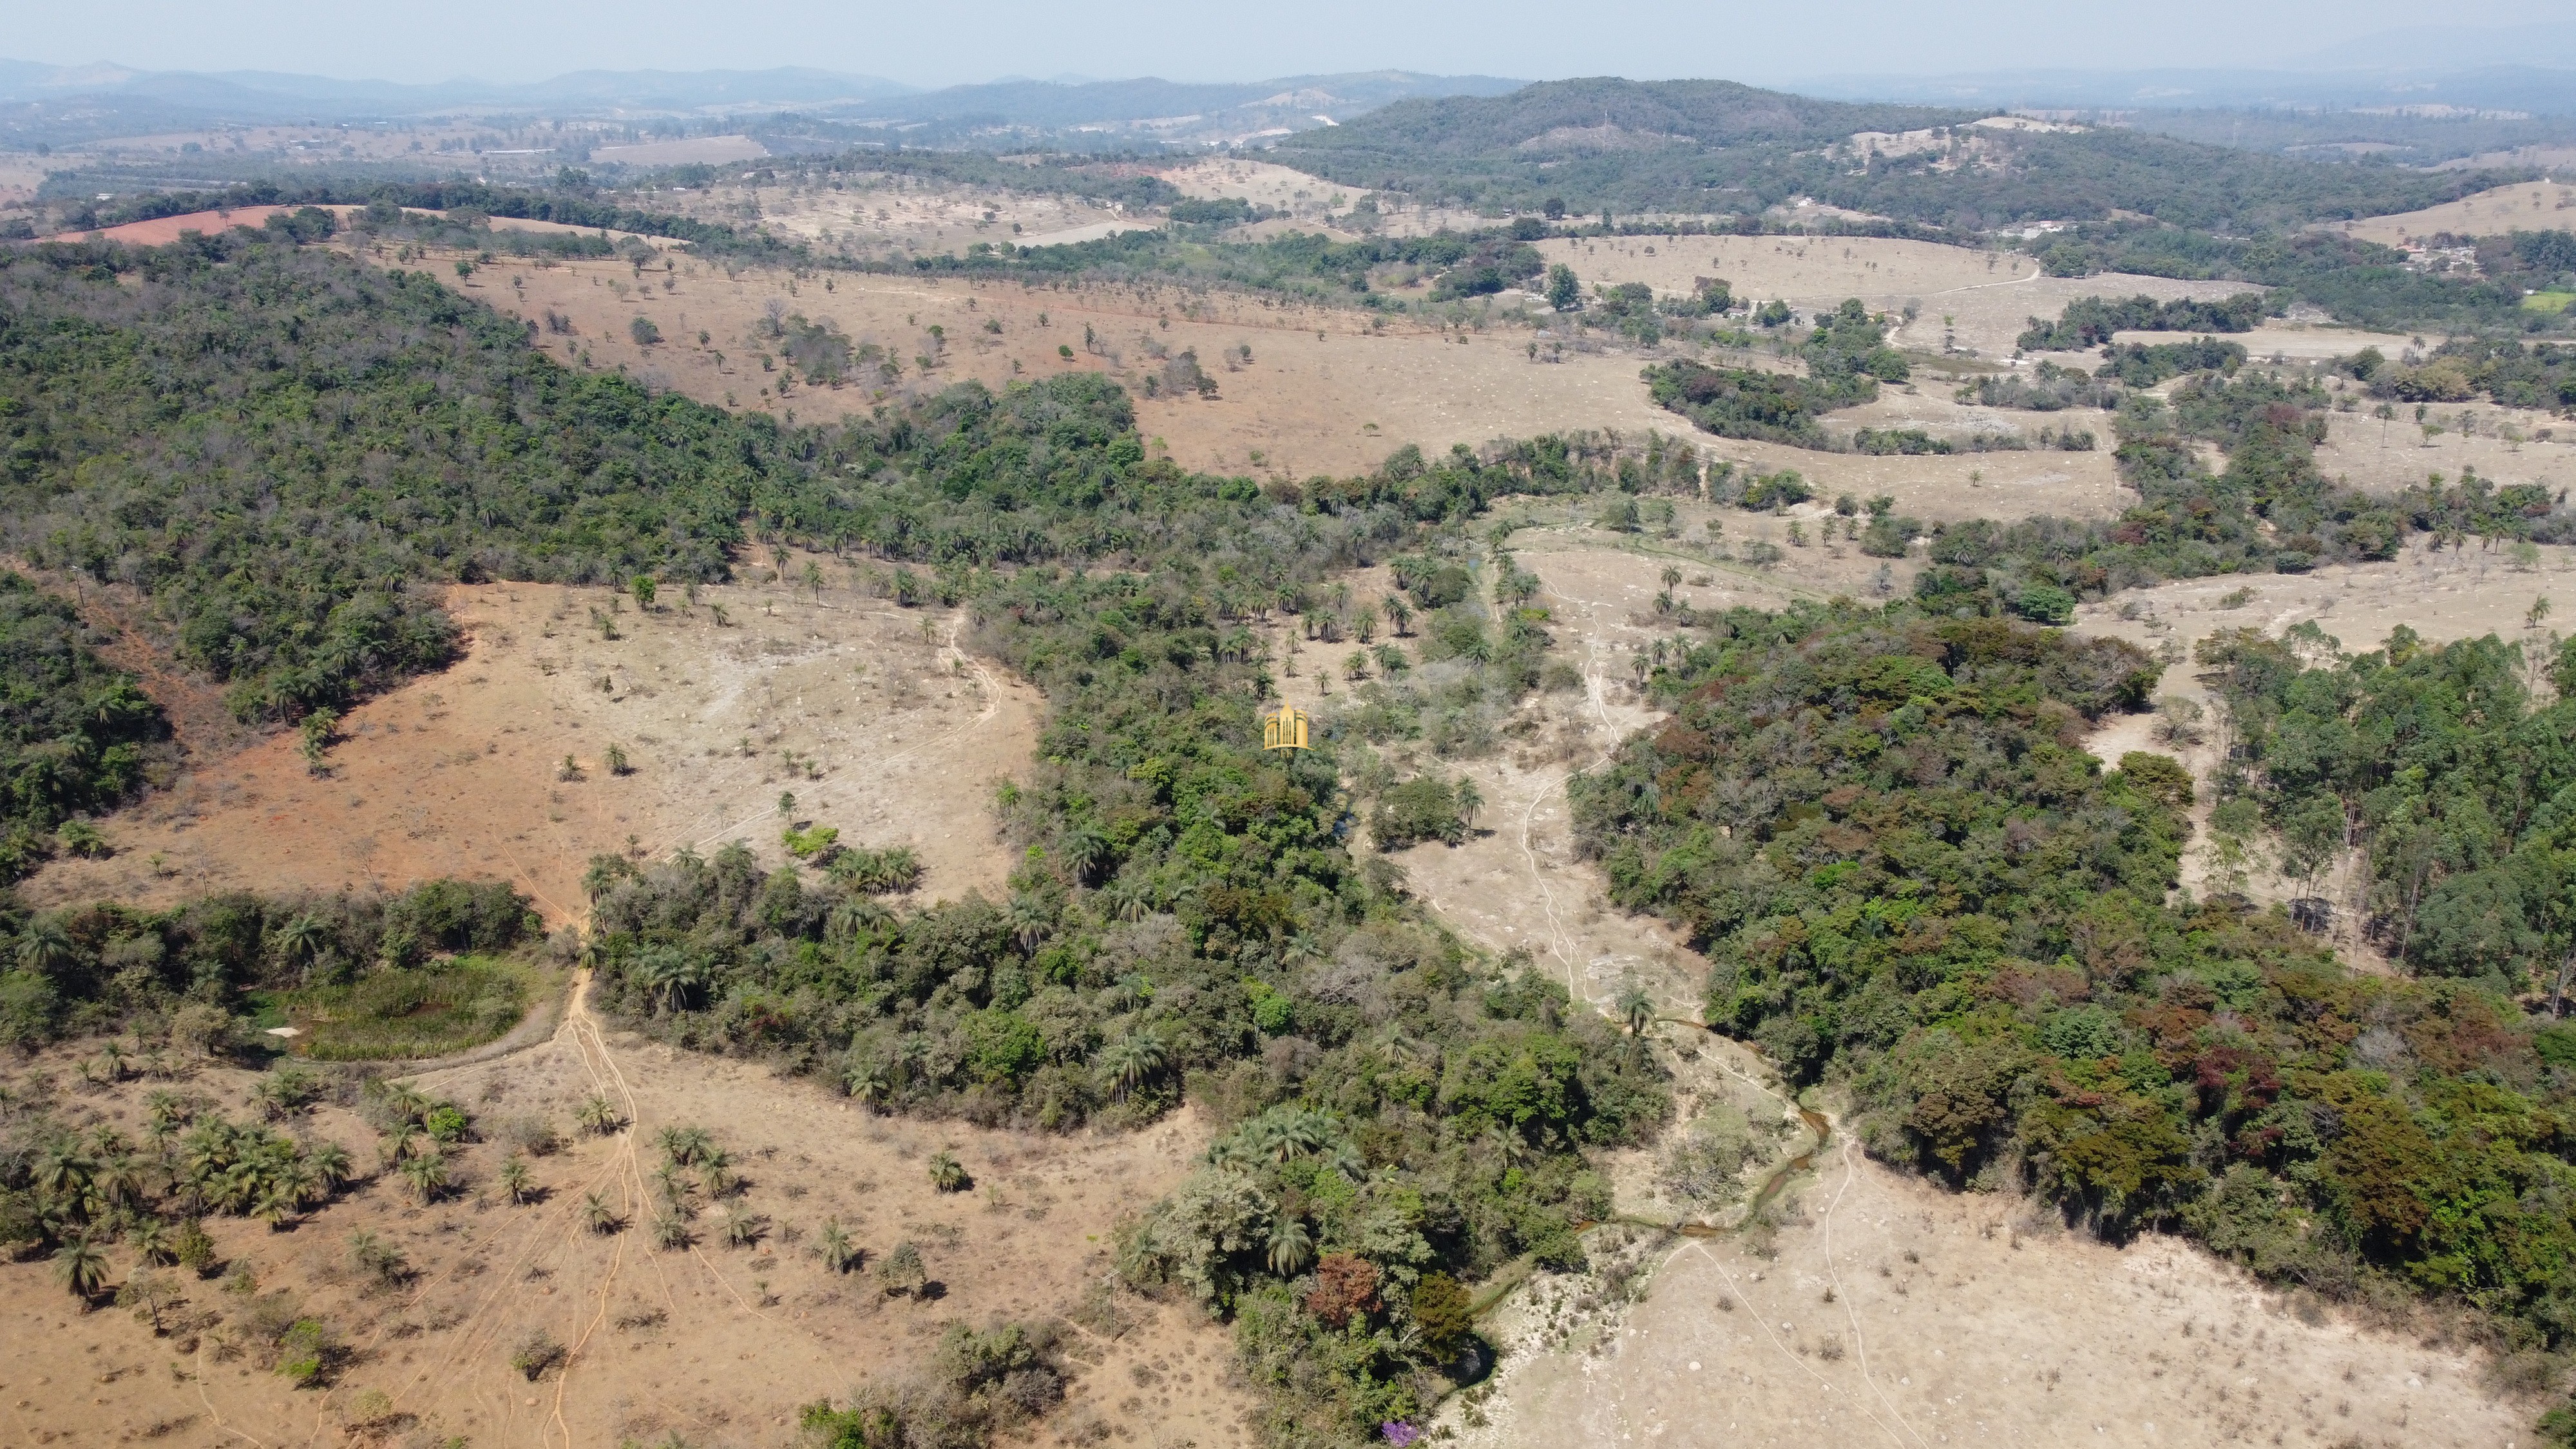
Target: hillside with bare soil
[869, 715]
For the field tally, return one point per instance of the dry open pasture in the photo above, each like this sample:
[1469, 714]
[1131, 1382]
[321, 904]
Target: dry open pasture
[888, 215]
[872, 716]
[1322, 392]
[2523, 206]
[1971, 299]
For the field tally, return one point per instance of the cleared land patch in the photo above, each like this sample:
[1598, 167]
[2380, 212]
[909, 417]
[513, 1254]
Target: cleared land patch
[865, 712]
[2523, 206]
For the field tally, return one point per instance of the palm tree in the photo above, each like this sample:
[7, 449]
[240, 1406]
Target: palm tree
[868, 1083]
[151, 1240]
[1635, 1007]
[427, 1174]
[947, 1174]
[597, 1215]
[1132, 1060]
[1469, 798]
[330, 1163]
[833, 1245]
[856, 912]
[1030, 922]
[1291, 1249]
[741, 1226]
[165, 1110]
[1672, 576]
[688, 1146]
[407, 1103]
[397, 1142]
[1126, 900]
[45, 949]
[515, 1179]
[82, 1267]
[670, 1232]
[301, 942]
[118, 1180]
[62, 1170]
[1398, 613]
[277, 1203]
[596, 1115]
[1084, 848]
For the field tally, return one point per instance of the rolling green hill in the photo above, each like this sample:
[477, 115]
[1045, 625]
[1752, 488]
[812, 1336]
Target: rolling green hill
[1713, 147]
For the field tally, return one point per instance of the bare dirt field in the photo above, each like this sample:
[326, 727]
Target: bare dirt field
[888, 216]
[460, 772]
[710, 1345]
[2295, 342]
[2524, 206]
[1892, 1312]
[702, 150]
[1302, 199]
[2558, 157]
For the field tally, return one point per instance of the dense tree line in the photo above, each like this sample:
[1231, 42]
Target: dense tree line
[2361, 283]
[572, 201]
[76, 736]
[95, 969]
[2443, 766]
[1847, 357]
[2511, 373]
[280, 446]
[1701, 147]
[1911, 879]
[2090, 321]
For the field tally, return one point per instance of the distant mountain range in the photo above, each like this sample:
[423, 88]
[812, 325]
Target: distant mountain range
[65, 104]
[2529, 68]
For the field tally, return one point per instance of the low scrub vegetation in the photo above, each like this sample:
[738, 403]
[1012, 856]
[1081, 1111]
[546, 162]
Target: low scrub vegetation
[428, 1010]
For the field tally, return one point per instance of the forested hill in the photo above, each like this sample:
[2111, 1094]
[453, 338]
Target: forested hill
[1707, 147]
[1910, 879]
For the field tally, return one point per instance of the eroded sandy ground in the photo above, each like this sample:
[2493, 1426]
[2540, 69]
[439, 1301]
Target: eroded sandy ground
[717, 1345]
[1895, 1313]
[867, 713]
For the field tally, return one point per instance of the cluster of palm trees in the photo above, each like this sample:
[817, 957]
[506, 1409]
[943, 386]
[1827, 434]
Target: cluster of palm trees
[93, 1189]
[418, 1129]
[691, 1164]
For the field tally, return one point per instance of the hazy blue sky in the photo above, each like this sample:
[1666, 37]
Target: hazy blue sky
[936, 44]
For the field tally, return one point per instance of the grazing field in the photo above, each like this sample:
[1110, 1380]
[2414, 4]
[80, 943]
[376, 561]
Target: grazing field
[892, 216]
[2524, 206]
[1975, 301]
[1323, 391]
[866, 712]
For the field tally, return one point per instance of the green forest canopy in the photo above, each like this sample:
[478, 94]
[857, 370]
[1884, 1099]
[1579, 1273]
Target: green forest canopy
[1911, 879]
